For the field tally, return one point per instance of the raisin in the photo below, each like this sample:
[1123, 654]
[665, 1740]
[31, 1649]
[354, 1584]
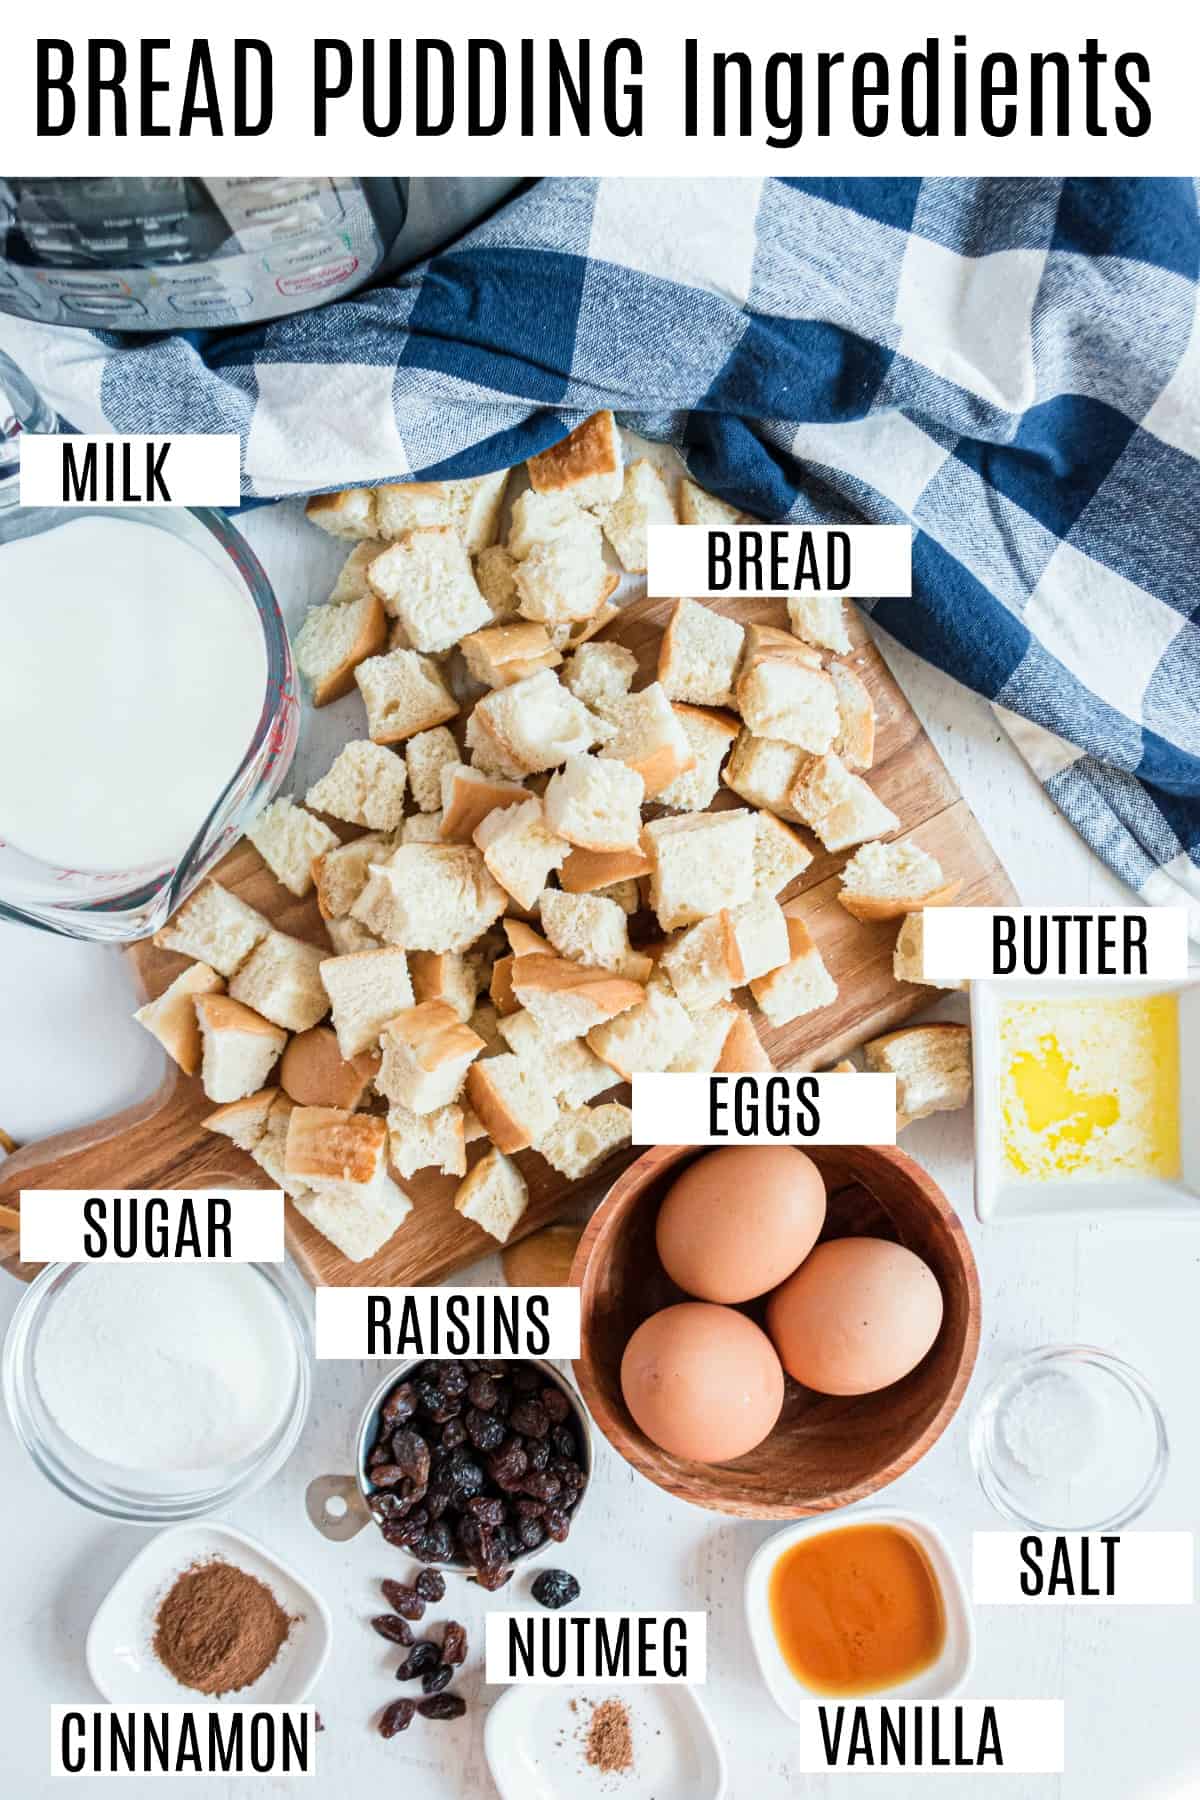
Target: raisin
[430, 1585]
[437, 1499]
[562, 1442]
[555, 1402]
[423, 1655]
[481, 1392]
[507, 1465]
[452, 1379]
[399, 1406]
[530, 1419]
[555, 1588]
[485, 1430]
[387, 1475]
[526, 1379]
[410, 1452]
[489, 1512]
[397, 1717]
[533, 1533]
[538, 1452]
[454, 1434]
[404, 1600]
[428, 1396]
[464, 1478]
[557, 1524]
[437, 1545]
[434, 1680]
[443, 1706]
[454, 1644]
[543, 1487]
[394, 1628]
[380, 1454]
[572, 1478]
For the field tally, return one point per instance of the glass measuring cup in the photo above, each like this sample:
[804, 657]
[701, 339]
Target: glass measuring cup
[121, 904]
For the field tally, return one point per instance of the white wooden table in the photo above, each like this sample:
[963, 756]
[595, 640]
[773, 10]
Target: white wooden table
[68, 1052]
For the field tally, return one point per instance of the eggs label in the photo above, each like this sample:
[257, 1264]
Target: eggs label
[432, 1322]
[967, 943]
[1132, 1568]
[628, 1649]
[764, 1109]
[77, 1225]
[1011, 1737]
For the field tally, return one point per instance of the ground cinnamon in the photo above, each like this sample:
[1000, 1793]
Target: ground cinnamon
[218, 1628]
[609, 1746]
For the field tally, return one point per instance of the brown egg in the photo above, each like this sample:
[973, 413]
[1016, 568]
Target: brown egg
[738, 1221]
[857, 1316]
[702, 1382]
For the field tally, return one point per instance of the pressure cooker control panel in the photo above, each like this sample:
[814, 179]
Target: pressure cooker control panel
[168, 253]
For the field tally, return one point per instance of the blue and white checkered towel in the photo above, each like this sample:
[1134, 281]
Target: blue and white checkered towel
[1013, 366]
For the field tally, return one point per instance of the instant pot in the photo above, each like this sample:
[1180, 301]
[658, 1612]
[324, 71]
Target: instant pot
[172, 253]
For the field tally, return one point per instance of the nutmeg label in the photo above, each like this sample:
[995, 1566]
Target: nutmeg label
[574, 1648]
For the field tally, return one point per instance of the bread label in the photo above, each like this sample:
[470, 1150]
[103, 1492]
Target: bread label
[1128, 1568]
[998, 943]
[76, 1225]
[764, 1109]
[705, 561]
[356, 1322]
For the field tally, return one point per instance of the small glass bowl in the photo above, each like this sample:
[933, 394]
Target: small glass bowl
[1069, 1438]
[142, 1497]
[119, 905]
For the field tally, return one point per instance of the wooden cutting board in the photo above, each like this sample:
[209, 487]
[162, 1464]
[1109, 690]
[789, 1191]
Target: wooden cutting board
[161, 1144]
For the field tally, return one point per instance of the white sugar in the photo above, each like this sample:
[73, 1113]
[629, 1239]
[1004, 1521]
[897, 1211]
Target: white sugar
[169, 1368]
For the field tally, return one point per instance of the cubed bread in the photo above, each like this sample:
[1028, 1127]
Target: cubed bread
[352, 583]
[426, 755]
[649, 738]
[313, 1071]
[334, 640]
[244, 1122]
[471, 507]
[500, 987]
[357, 1220]
[593, 931]
[800, 985]
[502, 654]
[240, 1048]
[885, 881]
[422, 828]
[856, 712]
[350, 514]
[495, 574]
[485, 1023]
[468, 796]
[404, 694]
[426, 581]
[365, 991]
[341, 874]
[596, 803]
[327, 1144]
[523, 940]
[213, 926]
[710, 1028]
[427, 1051]
[431, 897]
[288, 838]
[645, 1038]
[510, 1102]
[696, 507]
[537, 723]
[494, 1195]
[364, 785]
[932, 1066]
[699, 655]
[172, 1017]
[434, 1140]
[763, 771]
[445, 975]
[839, 806]
[348, 935]
[565, 998]
[281, 979]
[780, 854]
[585, 466]
[598, 674]
[757, 937]
[269, 1151]
[569, 1071]
[697, 964]
[486, 752]
[521, 849]
[770, 643]
[742, 1052]
[562, 578]
[702, 863]
[588, 871]
[537, 517]
[908, 958]
[780, 698]
[626, 894]
[583, 1138]
[820, 619]
[710, 735]
[644, 501]
[571, 634]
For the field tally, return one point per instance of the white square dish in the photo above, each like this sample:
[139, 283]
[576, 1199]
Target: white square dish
[534, 1744]
[119, 1651]
[1001, 1199]
[943, 1677]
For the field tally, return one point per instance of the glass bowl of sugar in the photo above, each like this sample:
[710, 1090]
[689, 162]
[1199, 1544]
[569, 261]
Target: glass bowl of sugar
[157, 1393]
[150, 710]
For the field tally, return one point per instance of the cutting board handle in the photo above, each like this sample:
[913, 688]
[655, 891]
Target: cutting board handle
[140, 1148]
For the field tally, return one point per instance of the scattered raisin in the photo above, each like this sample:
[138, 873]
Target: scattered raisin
[430, 1585]
[434, 1680]
[491, 1579]
[397, 1717]
[423, 1655]
[404, 1600]
[555, 1588]
[443, 1706]
[394, 1628]
[454, 1643]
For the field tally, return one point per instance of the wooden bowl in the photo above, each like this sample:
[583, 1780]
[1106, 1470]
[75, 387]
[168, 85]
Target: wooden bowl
[826, 1451]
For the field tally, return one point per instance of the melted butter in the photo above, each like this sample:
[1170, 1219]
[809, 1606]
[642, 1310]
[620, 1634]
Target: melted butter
[1091, 1088]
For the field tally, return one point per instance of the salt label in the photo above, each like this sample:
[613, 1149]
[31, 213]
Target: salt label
[1131, 1568]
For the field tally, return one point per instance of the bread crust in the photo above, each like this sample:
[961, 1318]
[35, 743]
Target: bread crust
[217, 1012]
[593, 448]
[587, 870]
[549, 974]
[873, 907]
[371, 640]
[325, 1143]
[470, 801]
